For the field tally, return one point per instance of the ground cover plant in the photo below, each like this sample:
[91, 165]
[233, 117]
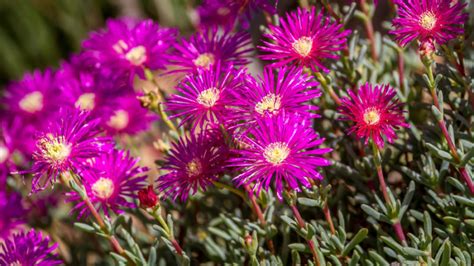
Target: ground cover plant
[267, 133]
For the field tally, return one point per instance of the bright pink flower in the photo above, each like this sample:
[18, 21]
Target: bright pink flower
[375, 113]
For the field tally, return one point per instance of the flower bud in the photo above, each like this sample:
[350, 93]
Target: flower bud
[147, 197]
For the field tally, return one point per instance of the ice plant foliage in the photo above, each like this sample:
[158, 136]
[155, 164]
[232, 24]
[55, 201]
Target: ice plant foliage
[424, 20]
[210, 47]
[280, 150]
[304, 38]
[375, 112]
[206, 97]
[112, 182]
[28, 248]
[193, 164]
[68, 141]
[236, 133]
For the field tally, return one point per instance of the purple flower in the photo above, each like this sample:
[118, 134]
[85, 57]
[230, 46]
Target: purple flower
[283, 148]
[375, 113]
[33, 99]
[193, 164]
[15, 138]
[211, 46]
[70, 139]
[12, 213]
[125, 115]
[28, 249]
[111, 180]
[205, 97]
[127, 48]
[279, 90]
[226, 12]
[440, 20]
[85, 89]
[304, 38]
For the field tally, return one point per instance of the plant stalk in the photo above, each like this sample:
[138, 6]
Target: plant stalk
[383, 188]
[442, 124]
[258, 211]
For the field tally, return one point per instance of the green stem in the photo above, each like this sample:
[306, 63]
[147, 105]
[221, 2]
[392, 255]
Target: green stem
[161, 97]
[230, 189]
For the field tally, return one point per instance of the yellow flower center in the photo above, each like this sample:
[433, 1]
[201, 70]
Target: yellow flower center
[271, 103]
[32, 102]
[276, 152]
[119, 120]
[86, 101]
[103, 188]
[4, 153]
[303, 46]
[194, 168]
[137, 55]
[371, 116]
[120, 47]
[208, 97]
[428, 20]
[204, 60]
[54, 149]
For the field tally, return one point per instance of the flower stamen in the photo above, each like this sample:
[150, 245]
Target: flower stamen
[428, 20]
[303, 46]
[32, 102]
[276, 152]
[137, 55]
[204, 60]
[371, 116]
[103, 188]
[271, 104]
[208, 97]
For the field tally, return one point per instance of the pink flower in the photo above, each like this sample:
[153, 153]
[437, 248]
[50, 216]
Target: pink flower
[375, 113]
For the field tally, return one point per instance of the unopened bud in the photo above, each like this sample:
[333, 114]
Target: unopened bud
[147, 197]
[426, 51]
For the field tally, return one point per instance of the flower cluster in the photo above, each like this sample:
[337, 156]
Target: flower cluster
[230, 122]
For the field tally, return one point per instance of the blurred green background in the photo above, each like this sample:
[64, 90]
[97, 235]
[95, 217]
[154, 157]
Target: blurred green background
[39, 33]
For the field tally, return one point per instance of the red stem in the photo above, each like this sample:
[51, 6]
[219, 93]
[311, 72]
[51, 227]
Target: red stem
[383, 185]
[100, 221]
[301, 224]
[327, 214]
[399, 231]
[259, 213]
[369, 27]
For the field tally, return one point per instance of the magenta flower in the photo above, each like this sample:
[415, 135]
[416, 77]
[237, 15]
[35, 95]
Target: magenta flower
[440, 20]
[281, 148]
[205, 97]
[112, 181]
[193, 164]
[33, 99]
[286, 90]
[71, 138]
[126, 47]
[304, 38]
[16, 138]
[375, 113]
[211, 46]
[12, 213]
[125, 115]
[227, 12]
[28, 249]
